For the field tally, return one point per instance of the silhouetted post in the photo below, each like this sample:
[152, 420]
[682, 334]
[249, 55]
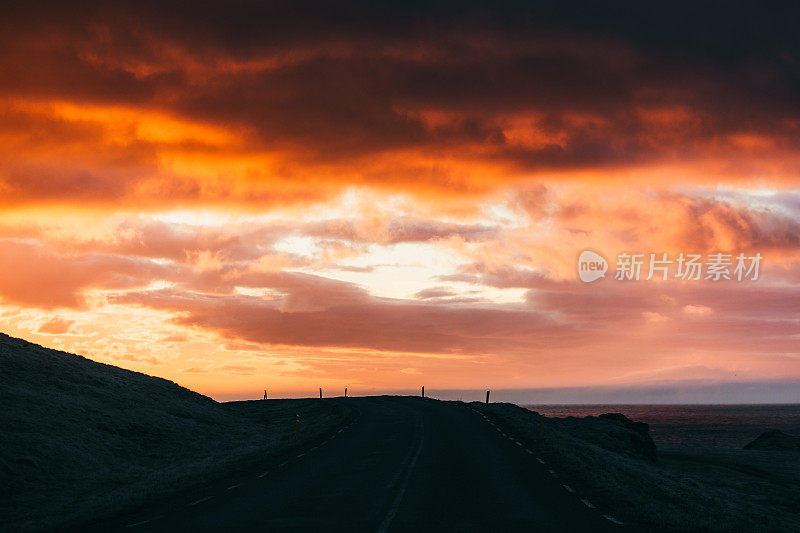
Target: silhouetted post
[487, 396]
[297, 428]
[320, 392]
[423, 391]
[345, 392]
[265, 394]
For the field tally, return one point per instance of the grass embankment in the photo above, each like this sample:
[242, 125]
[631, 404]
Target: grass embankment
[80, 439]
[608, 460]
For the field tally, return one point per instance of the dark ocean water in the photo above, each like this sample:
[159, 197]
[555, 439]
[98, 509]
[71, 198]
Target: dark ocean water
[718, 426]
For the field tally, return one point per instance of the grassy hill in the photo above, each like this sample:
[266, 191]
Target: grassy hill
[80, 438]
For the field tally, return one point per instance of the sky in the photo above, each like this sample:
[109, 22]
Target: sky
[300, 195]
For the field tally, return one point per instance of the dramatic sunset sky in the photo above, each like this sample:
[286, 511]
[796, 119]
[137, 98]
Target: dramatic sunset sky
[286, 196]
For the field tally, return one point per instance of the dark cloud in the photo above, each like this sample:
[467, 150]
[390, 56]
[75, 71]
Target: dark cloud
[34, 275]
[409, 230]
[56, 326]
[507, 277]
[316, 312]
[177, 242]
[370, 323]
[748, 229]
[434, 293]
[327, 82]
[398, 230]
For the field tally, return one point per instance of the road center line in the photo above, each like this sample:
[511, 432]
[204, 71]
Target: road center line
[201, 500]
[387, 521]
[143, 522]
[612, 519]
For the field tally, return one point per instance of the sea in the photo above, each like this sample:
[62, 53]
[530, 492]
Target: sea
[701, 426]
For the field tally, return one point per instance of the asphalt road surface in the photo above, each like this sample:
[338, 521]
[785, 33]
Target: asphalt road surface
[403, 464]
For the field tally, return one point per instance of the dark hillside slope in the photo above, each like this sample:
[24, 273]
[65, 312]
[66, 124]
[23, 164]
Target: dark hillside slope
[79, 438]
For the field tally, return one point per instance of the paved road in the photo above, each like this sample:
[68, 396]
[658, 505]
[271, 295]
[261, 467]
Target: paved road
[405, 464]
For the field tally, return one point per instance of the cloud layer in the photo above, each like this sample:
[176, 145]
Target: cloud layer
[157, 104]
[378, 195]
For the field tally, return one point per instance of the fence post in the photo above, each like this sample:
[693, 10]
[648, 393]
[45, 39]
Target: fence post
[423, 391]
[345, 392]
[320, 392]
[487, 396]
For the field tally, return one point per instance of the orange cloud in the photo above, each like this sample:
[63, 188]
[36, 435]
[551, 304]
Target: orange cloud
[231, 193]
[111, 111]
